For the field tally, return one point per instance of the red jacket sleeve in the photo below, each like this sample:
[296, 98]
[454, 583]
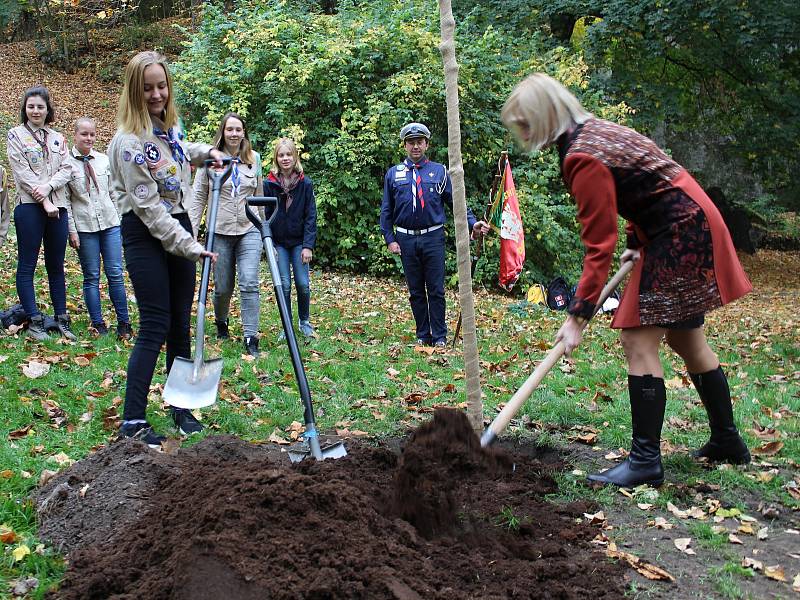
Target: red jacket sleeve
[595, 193]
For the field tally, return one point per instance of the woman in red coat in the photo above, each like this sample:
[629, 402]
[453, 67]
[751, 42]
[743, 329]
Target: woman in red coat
[685, 264]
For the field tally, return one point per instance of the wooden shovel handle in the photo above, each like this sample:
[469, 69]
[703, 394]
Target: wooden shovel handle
[512, 407]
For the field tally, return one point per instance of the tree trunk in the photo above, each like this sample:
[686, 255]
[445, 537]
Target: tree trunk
[465, 297]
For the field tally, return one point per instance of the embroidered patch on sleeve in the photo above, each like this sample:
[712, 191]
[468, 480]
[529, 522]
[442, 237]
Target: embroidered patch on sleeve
[172, 184]
[151, 152]
[126, 155]
[140, 191]
[139, 158]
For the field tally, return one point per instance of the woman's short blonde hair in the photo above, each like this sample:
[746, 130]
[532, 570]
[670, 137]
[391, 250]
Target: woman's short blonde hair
[543, 108]
[132, 115]
[288, 143]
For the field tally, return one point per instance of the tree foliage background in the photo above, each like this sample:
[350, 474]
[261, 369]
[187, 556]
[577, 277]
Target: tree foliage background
[718, 79]
[343, 85]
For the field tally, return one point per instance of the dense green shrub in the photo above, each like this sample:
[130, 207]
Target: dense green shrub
[342, 85]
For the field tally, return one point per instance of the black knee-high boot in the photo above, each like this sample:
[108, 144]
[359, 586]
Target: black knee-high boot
[648, 398]
[725, 445]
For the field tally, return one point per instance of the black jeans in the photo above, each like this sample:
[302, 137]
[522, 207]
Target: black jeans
[34, 227]
[164, 287]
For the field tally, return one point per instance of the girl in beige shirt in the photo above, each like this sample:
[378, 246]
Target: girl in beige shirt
[38, 157]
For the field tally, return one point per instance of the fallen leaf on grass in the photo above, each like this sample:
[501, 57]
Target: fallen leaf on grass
[3, 358]
[768, 449]
[170, 446]
[20, 552]
[661, 523]
[682, 544]
[81, 361]
[392, 373]
[424, 349]
[7, 474]
[276, 438]
[775, 572]
[35, 369]
[681, 514]
[62, 459]
[23, 587]
[796, 583]
[7, 535]
[18, 434]
[762, 534]
[644, 505]
[645, 569]
[594, 518]
[46, 476]
[674, 384]
[734, 539]
[752, 563]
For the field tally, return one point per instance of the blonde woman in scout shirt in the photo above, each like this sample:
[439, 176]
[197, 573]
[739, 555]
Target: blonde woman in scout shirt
[5, 211]
[236, 240]
[151, 181]
[94, 228]
[38, 157]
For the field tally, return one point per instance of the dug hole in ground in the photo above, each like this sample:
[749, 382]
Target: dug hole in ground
[442, 518]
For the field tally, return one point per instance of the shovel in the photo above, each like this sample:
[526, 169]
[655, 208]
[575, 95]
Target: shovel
[194, 383]
[311, 446]
[523, 393]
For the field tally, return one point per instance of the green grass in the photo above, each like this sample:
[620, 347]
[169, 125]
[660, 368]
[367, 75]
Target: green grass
[725, 579]
[366, 376]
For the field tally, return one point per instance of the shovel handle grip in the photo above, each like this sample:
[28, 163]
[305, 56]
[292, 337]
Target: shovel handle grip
[261, 201]
[511, 408]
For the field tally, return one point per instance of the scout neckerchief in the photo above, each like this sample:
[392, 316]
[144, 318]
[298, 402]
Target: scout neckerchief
[287, 184]
[416, 183]
[41, 141]
[172, 141]
[89, 172]
[235, 179]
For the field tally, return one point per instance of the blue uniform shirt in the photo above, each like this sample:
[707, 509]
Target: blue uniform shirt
[397, 204]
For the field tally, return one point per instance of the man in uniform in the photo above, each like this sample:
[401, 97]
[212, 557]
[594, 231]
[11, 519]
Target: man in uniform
[412, 222]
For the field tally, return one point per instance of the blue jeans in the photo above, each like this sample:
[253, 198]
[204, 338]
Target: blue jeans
[290, 257]
[108, 244]
[239, 255]
[423, 265]
[34, 227]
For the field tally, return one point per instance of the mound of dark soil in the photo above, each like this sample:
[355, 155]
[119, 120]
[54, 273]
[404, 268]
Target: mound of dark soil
[227, 519]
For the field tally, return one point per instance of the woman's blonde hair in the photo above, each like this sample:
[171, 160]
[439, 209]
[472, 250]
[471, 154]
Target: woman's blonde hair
[132, 115]
[246, 153]
[544, 107]
[289, 143]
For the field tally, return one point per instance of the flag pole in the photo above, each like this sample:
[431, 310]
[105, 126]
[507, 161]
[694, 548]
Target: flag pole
[480, 248]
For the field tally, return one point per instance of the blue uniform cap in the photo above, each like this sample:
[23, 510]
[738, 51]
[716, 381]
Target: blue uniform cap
[414, 130]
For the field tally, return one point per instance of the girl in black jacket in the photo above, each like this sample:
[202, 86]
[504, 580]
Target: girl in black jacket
[294, 229]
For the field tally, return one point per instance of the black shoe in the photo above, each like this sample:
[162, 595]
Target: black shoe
[64, 325]
[440, 344]
[251, 345]
[101, 328]
[124, 331]
[142, 432]
[725, 445]
[36, 328]
[222, 330]
[185, 422]
[648, 398]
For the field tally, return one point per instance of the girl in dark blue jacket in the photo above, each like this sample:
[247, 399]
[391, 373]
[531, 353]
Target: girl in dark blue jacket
[294, 229]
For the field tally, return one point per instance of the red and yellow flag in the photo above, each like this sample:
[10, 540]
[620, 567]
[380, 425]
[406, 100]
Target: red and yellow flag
[504, 218]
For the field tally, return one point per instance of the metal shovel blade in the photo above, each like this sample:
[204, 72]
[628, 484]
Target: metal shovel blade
[185, 390]
[300, 452]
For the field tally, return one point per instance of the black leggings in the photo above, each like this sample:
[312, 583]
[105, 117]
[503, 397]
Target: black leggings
[164, 287]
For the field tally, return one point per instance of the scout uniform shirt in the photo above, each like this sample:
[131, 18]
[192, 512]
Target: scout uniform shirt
[399, 208]
[153, 179]
[92, 209]
[34, 163]
[5, 210]
[231, 216]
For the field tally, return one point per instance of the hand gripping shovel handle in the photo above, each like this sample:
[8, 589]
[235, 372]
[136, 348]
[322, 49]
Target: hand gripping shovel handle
[502, 420]
[217, 179]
